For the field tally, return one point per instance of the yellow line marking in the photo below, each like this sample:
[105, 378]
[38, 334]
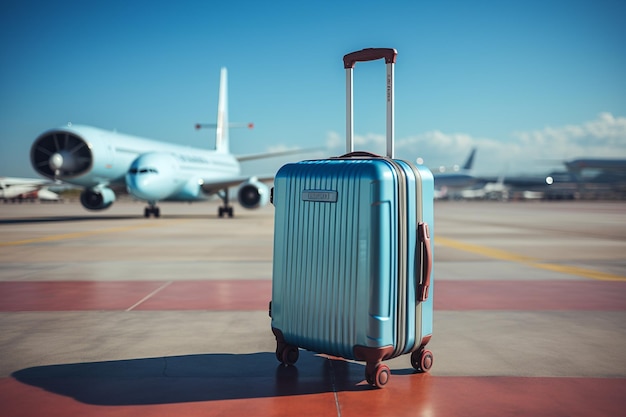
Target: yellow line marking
[533, 262]
[483, 250]
[583, 272]
[77, 235]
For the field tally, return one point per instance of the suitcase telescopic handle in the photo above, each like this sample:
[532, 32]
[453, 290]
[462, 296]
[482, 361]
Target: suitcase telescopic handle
[423, 236]
[370, 54]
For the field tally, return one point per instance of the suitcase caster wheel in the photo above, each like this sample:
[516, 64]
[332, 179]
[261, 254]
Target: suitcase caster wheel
[379, 377]
[383, 373]
[289, 355]
[422, 360]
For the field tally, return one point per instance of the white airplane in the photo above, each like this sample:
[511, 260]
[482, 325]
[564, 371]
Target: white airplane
[451, 179]
[489, 191]
[457, 177]
[12, 188]
[103, 161]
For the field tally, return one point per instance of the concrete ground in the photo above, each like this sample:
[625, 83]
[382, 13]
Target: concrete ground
[111, 314]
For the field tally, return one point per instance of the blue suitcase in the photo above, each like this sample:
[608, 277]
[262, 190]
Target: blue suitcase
[352, 266]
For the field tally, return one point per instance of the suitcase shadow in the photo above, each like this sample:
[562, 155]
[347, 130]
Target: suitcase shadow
[191, 378]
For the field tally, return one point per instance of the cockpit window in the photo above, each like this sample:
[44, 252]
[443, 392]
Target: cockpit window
[135, 171]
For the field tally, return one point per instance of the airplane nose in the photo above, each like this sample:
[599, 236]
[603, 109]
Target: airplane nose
[150, 177]
[146, 187]
[138, 187]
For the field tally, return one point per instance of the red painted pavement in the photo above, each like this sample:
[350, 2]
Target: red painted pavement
[405, 395]
[531, 295]
[255, 295]
[212, 295]
[73, 296]
[254, 384]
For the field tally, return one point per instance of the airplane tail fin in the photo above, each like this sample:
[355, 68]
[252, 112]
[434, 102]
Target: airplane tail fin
[222, 125]
[221, 131]
[470, 160]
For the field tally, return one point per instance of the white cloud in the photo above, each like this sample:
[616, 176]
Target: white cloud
[604, 134]
[535, 151]
[529, 151]
[334, 140]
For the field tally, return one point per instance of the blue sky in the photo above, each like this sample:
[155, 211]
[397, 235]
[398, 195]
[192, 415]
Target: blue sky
[524, 81]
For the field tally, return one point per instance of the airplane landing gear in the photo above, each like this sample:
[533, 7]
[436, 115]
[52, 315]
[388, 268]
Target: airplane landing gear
[152, 209]
[225, 209]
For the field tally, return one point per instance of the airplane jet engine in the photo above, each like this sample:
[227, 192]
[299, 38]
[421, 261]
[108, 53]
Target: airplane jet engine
[97, 199]
[61, 154]
[253, 194]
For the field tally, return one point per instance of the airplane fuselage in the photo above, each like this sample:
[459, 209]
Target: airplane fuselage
[150, 170]
[107, 156]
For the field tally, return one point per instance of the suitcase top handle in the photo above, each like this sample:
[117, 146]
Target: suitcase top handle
[370, 54]
[358, 154]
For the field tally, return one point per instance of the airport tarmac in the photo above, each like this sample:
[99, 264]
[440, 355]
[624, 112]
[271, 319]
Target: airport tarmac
[111, 314]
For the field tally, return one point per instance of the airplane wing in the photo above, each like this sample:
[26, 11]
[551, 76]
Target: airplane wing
[210, 186]
[243, 158]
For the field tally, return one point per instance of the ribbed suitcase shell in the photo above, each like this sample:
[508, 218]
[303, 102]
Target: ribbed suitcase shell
[339, 280]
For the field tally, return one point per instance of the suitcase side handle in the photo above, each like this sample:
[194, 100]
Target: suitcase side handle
[423, 236]
[370, 54]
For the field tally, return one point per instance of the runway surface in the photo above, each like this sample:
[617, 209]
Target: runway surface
[111, 314]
